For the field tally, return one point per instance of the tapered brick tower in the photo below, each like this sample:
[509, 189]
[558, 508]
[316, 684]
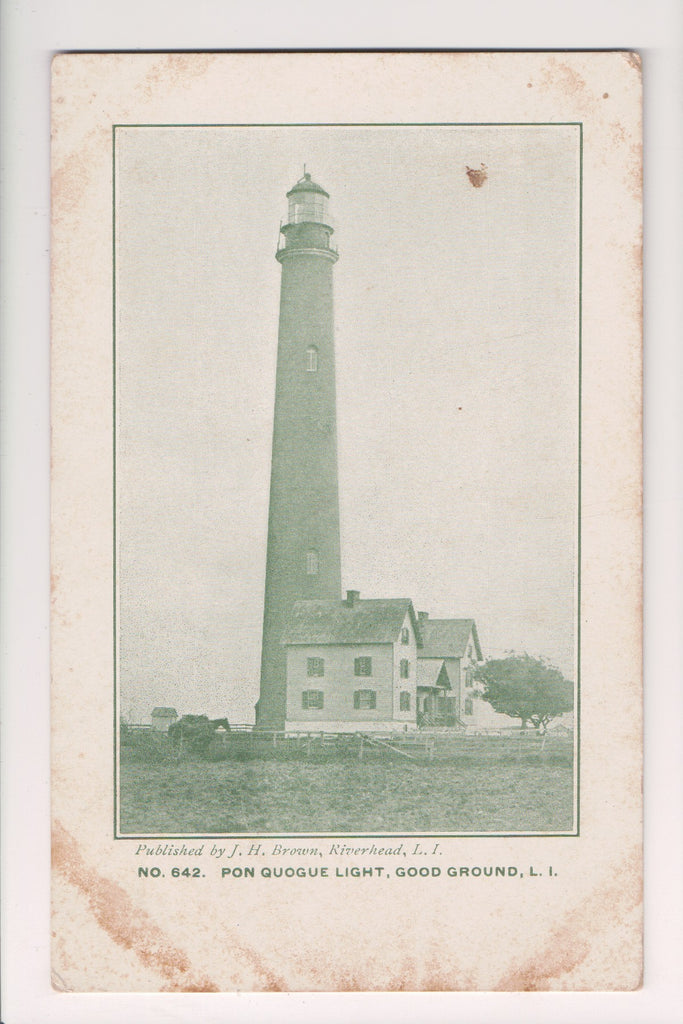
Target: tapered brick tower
[303, 559]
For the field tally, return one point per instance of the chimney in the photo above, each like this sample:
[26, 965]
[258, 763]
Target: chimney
[352, 597]
[422, 616]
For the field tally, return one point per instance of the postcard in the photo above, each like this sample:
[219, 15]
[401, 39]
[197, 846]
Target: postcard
[346, 487]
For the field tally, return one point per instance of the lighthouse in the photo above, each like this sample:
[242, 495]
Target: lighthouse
[303, 557]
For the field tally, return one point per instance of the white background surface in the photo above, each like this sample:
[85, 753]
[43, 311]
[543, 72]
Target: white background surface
[31, 34]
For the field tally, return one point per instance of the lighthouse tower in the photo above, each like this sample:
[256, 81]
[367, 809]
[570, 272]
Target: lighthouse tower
[303, 559]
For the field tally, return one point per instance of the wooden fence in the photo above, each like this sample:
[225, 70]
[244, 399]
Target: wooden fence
[419, 746]
[245, 742]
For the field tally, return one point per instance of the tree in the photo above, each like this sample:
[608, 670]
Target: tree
[528, 688]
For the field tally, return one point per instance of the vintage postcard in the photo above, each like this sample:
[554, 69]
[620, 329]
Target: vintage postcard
[346, 522]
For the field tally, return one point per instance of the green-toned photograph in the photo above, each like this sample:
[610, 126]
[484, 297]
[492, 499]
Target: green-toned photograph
[347, 433]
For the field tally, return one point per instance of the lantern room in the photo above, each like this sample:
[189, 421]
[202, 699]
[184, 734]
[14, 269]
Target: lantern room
[308, 229]
[307, 202]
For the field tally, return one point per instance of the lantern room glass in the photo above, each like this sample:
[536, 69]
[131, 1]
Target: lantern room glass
[307, 207]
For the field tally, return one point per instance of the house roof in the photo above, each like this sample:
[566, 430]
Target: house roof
[448, 638]
[338, 622]
[432, 672]
[164, 713]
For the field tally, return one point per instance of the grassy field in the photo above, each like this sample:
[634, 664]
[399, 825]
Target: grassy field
[273, 796]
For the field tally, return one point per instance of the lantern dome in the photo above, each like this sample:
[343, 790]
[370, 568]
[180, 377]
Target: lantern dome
[306, 184]
[307, 202]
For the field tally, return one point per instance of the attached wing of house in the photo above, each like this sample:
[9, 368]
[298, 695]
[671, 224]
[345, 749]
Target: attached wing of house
[453, 643]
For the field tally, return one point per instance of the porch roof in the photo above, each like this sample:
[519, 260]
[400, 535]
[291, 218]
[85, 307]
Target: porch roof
[432, 674]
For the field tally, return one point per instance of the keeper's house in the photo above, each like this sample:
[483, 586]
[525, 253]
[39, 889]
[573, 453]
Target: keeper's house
[351, 665]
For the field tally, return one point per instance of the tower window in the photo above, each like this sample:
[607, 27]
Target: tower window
[405, 668]
[364, 699]
[312, 699]
[311, 359]
[362, 667]
[312, 563]
[404, 700]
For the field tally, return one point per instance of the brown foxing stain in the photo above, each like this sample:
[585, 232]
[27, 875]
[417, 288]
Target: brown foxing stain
[637, 257]
[634, 174]
[134, 930]
[571, 80]
[570, 943]
[407, 974]
[435, 980]
[634, 60]
[558, 74]
[618, 134]
[69, 183]
[128, 926]
[439, 982]
[477, 175]
[408, 978]
[175, 69]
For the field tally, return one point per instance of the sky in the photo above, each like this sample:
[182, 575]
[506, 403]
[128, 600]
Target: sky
[457, 349]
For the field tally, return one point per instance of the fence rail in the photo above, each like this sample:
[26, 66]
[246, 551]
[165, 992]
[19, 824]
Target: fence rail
[419, 746]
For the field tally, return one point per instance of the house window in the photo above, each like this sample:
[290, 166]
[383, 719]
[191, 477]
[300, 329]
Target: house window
[469, 651]
[405, 668]
[311, 359]
[405, 636]
[469, 706]
[311, 699]
[315, 666]
[468, 677]
[404, 701]
[362, 667]
[312, 563]
[364, 699]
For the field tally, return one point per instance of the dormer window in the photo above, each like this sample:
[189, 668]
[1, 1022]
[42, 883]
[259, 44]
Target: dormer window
[311, 359]
[312, 563]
